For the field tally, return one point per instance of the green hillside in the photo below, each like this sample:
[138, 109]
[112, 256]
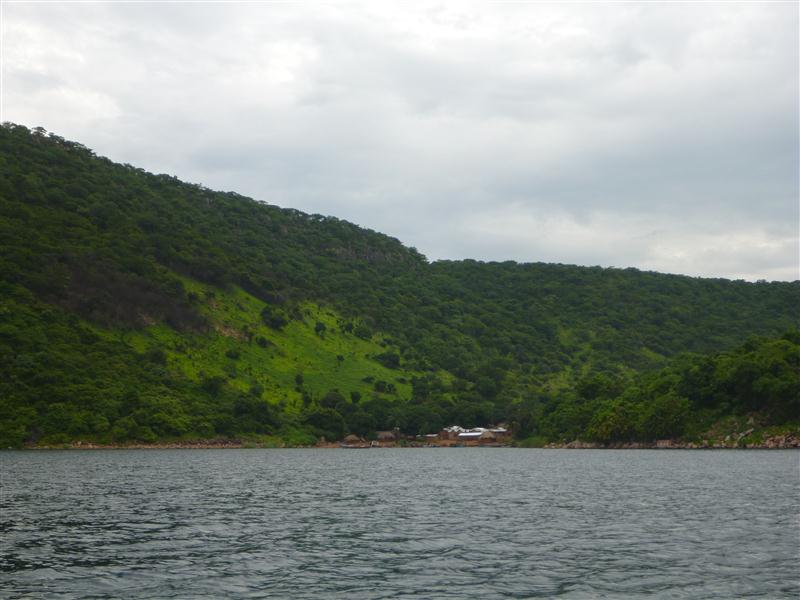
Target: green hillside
[138, 307]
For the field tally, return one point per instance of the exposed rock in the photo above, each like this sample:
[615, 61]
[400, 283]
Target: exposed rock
[580, 445]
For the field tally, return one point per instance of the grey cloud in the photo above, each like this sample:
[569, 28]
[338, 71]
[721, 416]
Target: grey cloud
[528, 132]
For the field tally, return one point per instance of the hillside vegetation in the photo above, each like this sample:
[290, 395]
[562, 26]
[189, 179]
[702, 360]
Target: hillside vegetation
[138, 307]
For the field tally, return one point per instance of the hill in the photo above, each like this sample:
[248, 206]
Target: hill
[138, 307]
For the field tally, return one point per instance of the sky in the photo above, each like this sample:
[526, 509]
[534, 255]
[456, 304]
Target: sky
[658, 136]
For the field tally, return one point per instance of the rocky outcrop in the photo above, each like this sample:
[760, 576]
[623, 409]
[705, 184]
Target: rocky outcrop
[781, 441]
[733, 441]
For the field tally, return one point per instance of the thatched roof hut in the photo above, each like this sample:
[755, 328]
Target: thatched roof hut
[386, 436]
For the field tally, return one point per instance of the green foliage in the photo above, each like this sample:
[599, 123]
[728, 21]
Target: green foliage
[390, 360]
[761, 376]
[213, 385]
[362, 331]
[326, 423]
[273, 317]
[138, 307]
[663, 417]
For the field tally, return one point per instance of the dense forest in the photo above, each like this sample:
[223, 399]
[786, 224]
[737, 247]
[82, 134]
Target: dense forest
[136, 307]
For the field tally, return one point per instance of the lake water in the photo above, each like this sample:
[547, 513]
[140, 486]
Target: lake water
[379, 523]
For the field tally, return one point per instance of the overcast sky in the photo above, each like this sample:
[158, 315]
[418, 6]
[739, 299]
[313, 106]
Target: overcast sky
[658, 136]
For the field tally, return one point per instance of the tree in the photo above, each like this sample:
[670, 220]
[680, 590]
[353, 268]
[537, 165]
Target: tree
[273, 317]
[664, 417]
[327, 423]
[390, 360]
[615, 421]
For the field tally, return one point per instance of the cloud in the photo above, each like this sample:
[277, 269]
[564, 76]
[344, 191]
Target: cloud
[660, 136]
[674, 247]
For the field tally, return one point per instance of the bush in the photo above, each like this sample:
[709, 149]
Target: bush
[273, 318]
[213, 385]
[536, 441]
[362, 331]
[390, 360]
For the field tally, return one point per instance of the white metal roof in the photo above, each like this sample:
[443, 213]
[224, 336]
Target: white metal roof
[454, 429]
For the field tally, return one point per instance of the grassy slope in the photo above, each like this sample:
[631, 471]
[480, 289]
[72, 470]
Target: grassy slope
[296, 349]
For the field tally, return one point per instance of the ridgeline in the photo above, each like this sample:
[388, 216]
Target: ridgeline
[138, 308]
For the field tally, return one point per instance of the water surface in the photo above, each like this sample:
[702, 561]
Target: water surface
[379, 523]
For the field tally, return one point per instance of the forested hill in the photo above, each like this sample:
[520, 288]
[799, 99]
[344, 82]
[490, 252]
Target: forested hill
[139, 307]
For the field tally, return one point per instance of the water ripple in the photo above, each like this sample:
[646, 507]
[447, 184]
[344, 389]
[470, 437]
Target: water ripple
[489, 523]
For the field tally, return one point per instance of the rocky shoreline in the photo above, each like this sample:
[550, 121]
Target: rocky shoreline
[730, 443]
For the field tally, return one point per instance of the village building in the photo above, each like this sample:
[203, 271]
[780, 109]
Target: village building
[454, 435]
[353, 441]
[451, 433]
[501, 434]
[387, 437]
[477, 436]
[473, 435]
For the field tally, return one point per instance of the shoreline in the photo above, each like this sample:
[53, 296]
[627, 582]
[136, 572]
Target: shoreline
[780, 442]
[784, 442]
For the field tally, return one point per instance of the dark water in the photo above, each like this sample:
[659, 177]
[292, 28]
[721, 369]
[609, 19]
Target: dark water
[438, 523]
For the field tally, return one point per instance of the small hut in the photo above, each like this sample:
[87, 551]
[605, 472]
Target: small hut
[386, 436]
[487, 437]
[451, 433]
[501, 433]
